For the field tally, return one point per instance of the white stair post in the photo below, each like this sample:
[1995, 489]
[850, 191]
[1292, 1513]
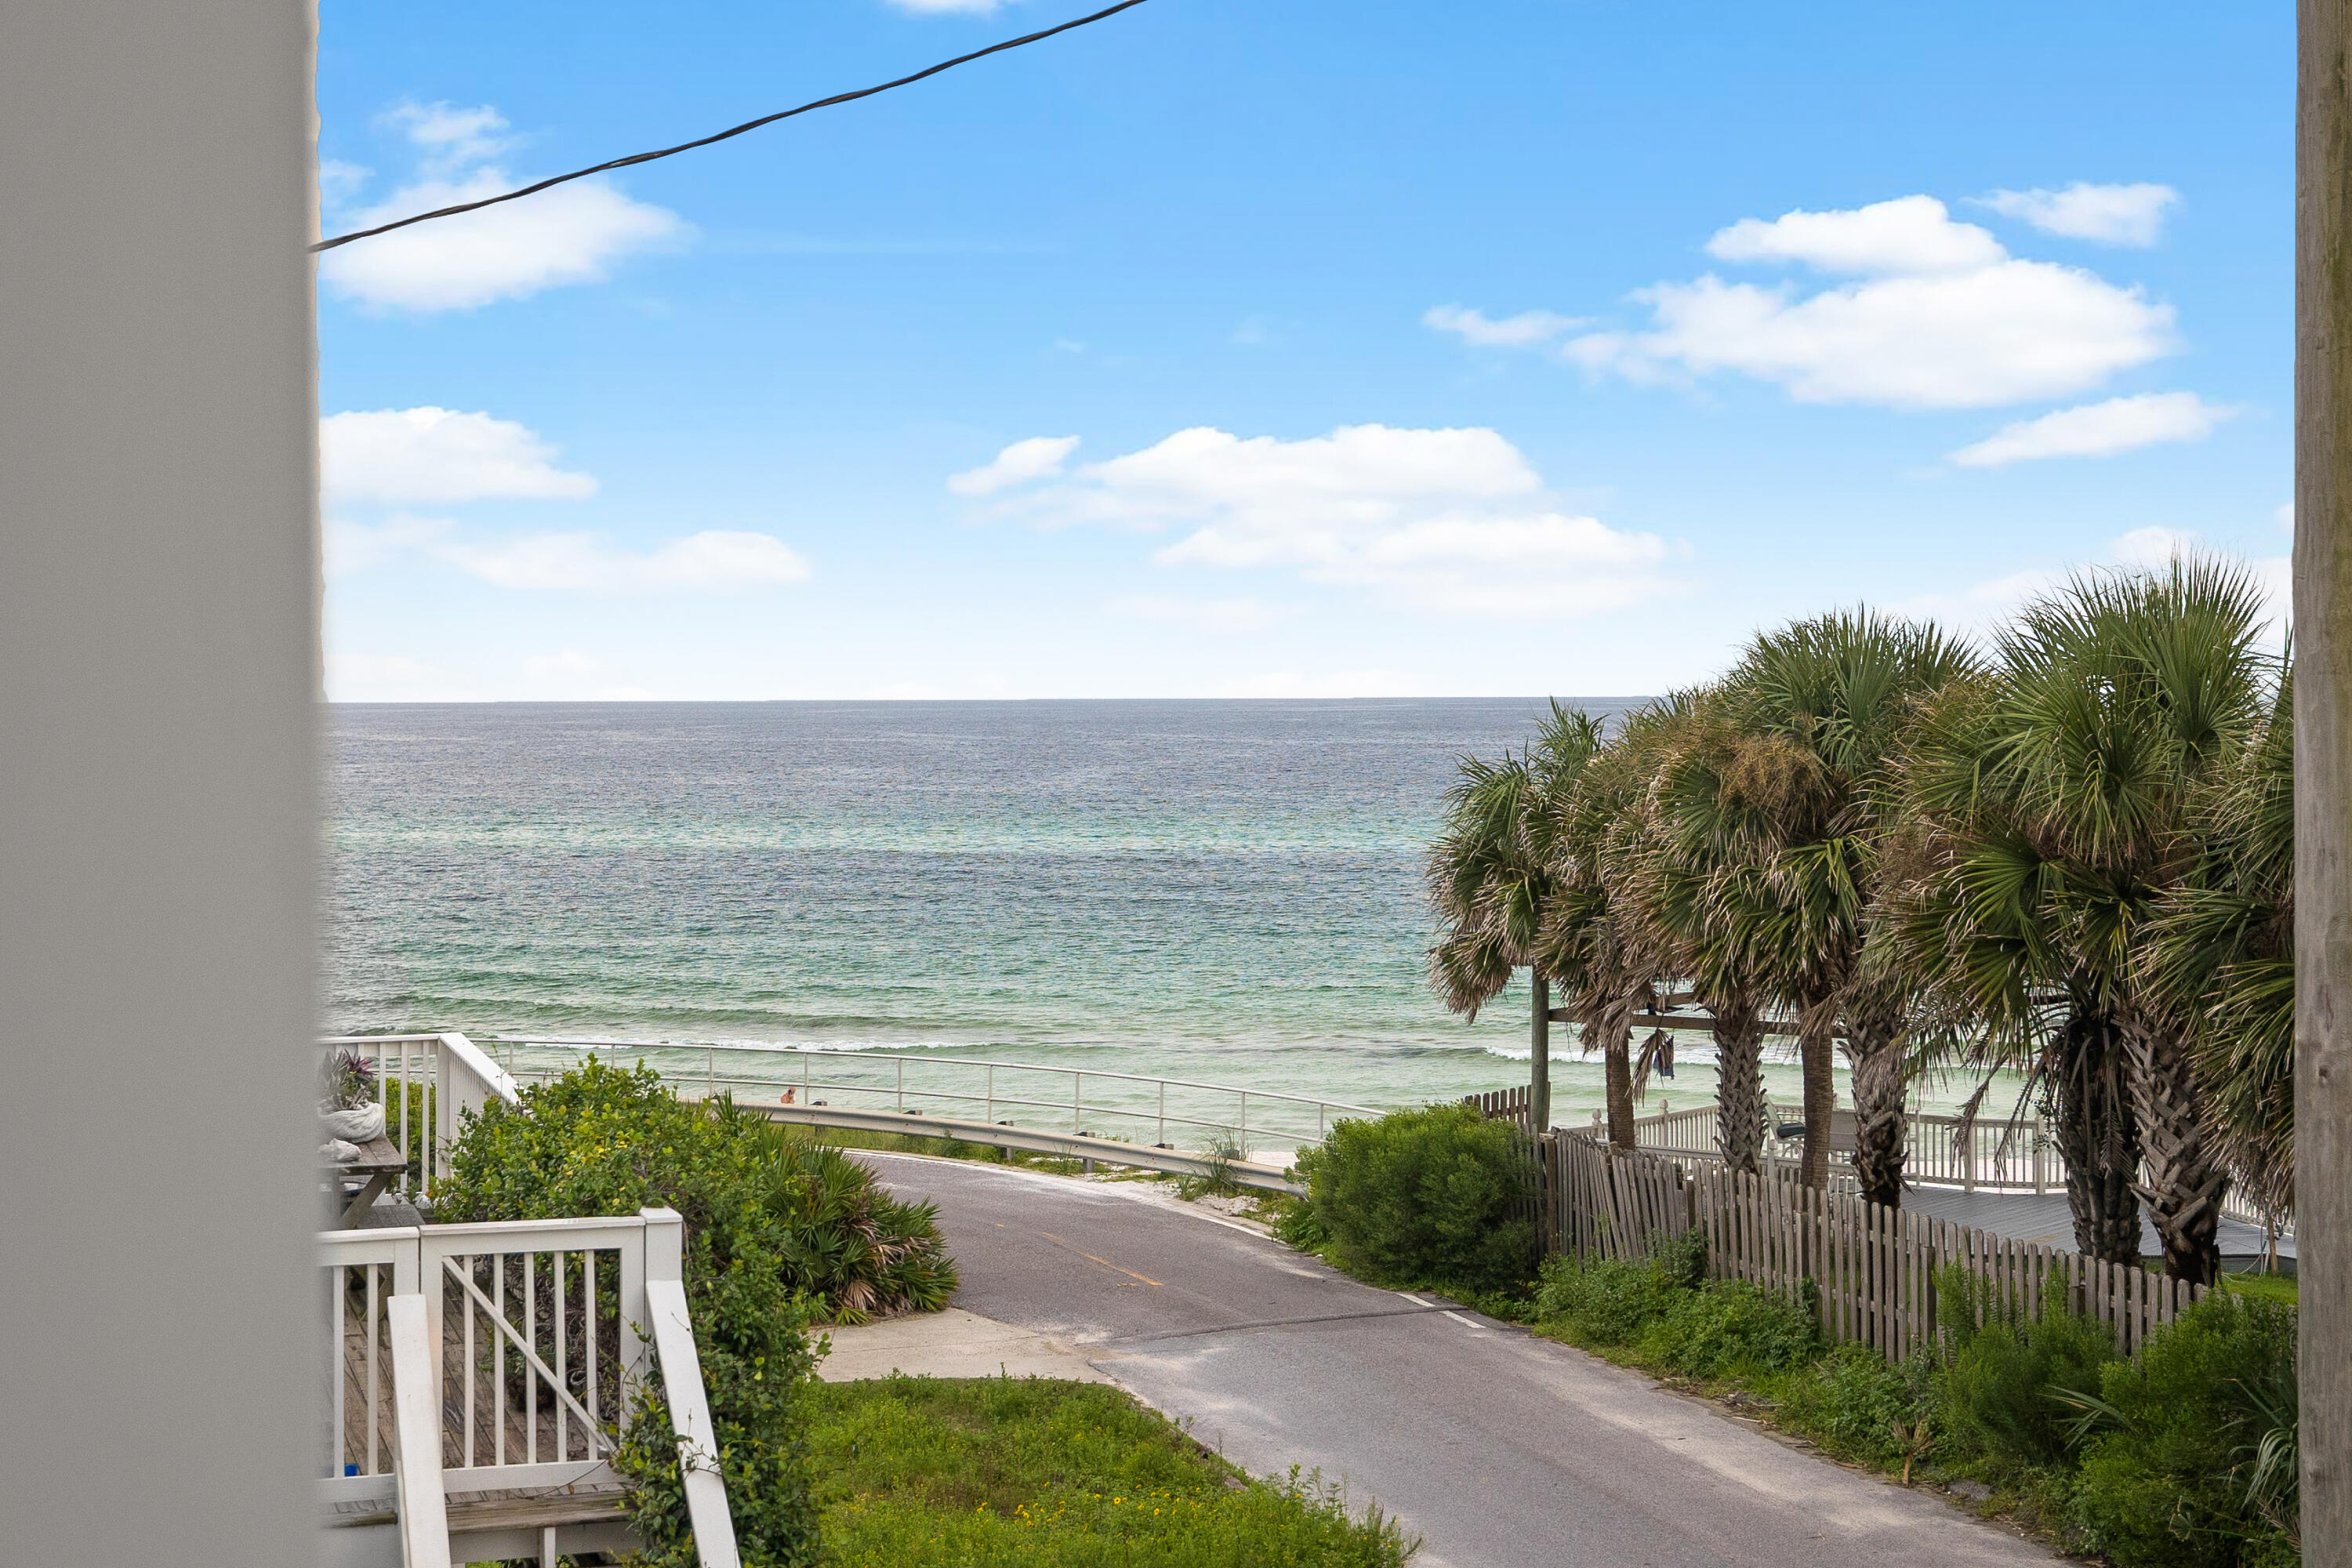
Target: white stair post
[417, 1429]
[681, 1374]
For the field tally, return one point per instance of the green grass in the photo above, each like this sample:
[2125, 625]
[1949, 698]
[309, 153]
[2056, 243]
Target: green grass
[2265, 1287]
[942, 1148]
[1036, 1473]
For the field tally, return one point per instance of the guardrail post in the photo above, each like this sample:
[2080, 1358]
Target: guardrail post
[991, 1117]
[1244, 1140]
[1077, 1113]
[902, 1083]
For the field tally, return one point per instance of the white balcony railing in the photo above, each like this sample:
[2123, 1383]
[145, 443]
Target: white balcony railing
[472, 1365]
[426, 1084]
[1988, 1153]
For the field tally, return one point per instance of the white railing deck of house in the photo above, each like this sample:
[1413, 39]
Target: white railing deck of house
[1102, 1104]
[426, 1084]
[472, 1365]
[1989, 1154]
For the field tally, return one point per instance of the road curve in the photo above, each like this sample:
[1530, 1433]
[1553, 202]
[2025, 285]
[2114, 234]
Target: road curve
[1497, 1448]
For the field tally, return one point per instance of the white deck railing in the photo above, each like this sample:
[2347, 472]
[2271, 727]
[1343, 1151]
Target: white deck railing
[510, 1353]
[1988, 1153]
[426, 1083]
[1068, 1099]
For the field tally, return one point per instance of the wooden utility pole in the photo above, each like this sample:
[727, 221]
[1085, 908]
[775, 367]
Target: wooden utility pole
[1540, 1053]
[2323, 770]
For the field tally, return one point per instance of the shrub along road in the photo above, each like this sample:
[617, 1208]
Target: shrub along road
[1497, 1448]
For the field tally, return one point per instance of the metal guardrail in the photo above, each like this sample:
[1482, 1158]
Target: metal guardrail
[1253, 1174]
[1071, 1145]
[1004, 1094]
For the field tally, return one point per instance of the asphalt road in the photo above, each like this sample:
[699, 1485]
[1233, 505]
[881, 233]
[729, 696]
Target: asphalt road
[1497, 1448]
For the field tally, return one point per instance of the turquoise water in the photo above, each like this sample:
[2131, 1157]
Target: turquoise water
[1226, 891]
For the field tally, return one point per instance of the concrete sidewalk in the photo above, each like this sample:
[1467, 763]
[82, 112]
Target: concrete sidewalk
[950, 1343]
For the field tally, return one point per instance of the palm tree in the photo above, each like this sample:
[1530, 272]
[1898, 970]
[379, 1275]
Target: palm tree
[1589, 941]
[1822, 706]
[1677, 876]
[1492, 877]
[2220, 958]
[1787, 791]
[2057, 795]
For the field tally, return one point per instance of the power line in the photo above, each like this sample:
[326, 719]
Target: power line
[723, 135]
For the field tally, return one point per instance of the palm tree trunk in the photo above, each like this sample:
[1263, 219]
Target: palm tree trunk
[2097, 1135]
[1740, 1109]
[1540, 1054]
[1816, 1042]
[2183, 1192]
[1609, 1025]
[1874, 1044]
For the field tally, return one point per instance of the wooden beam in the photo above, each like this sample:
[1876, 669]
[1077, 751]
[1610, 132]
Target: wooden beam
[2322, 771]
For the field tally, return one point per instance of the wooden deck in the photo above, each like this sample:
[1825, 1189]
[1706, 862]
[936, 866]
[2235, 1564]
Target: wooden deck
[528, 1436]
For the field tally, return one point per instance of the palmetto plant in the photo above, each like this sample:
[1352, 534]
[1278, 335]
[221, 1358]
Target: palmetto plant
[1772, 812]
[2059, 795]
[1822, 708]
[1676, 879]
[2220, 957]
[862, 1252]
[1590, 942]
[1493, 874]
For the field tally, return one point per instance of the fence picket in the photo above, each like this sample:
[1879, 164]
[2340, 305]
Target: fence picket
[1872, 1267]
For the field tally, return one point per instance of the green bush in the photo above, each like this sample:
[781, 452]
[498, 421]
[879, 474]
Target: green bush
[1857, 1403]
[1436, 1196]
[1997, 1398]
[2172, 1470]
[776, 1232]
[847, 1242]
[1728, 1326]
[1605, 1302]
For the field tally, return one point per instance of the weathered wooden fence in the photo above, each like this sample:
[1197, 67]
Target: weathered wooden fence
[1871, 1268]
[1512, 1105]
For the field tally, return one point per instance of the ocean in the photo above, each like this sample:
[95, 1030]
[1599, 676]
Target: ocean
[1228, 891]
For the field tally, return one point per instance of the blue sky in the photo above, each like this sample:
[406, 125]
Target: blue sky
[1284, 349]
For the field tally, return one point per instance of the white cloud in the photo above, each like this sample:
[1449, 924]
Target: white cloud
[338, 182]
[1449, 519]
[1940, 318]
[440, 455]
[1199, 615]
[2111, 214]
[1982, 605]
[573, 234]
[354, 547]
[448, 136]
[1040, 456]
[1909, 237]
[2097, 429]
[582, 563]
[2151, 546]
[1522, 331]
